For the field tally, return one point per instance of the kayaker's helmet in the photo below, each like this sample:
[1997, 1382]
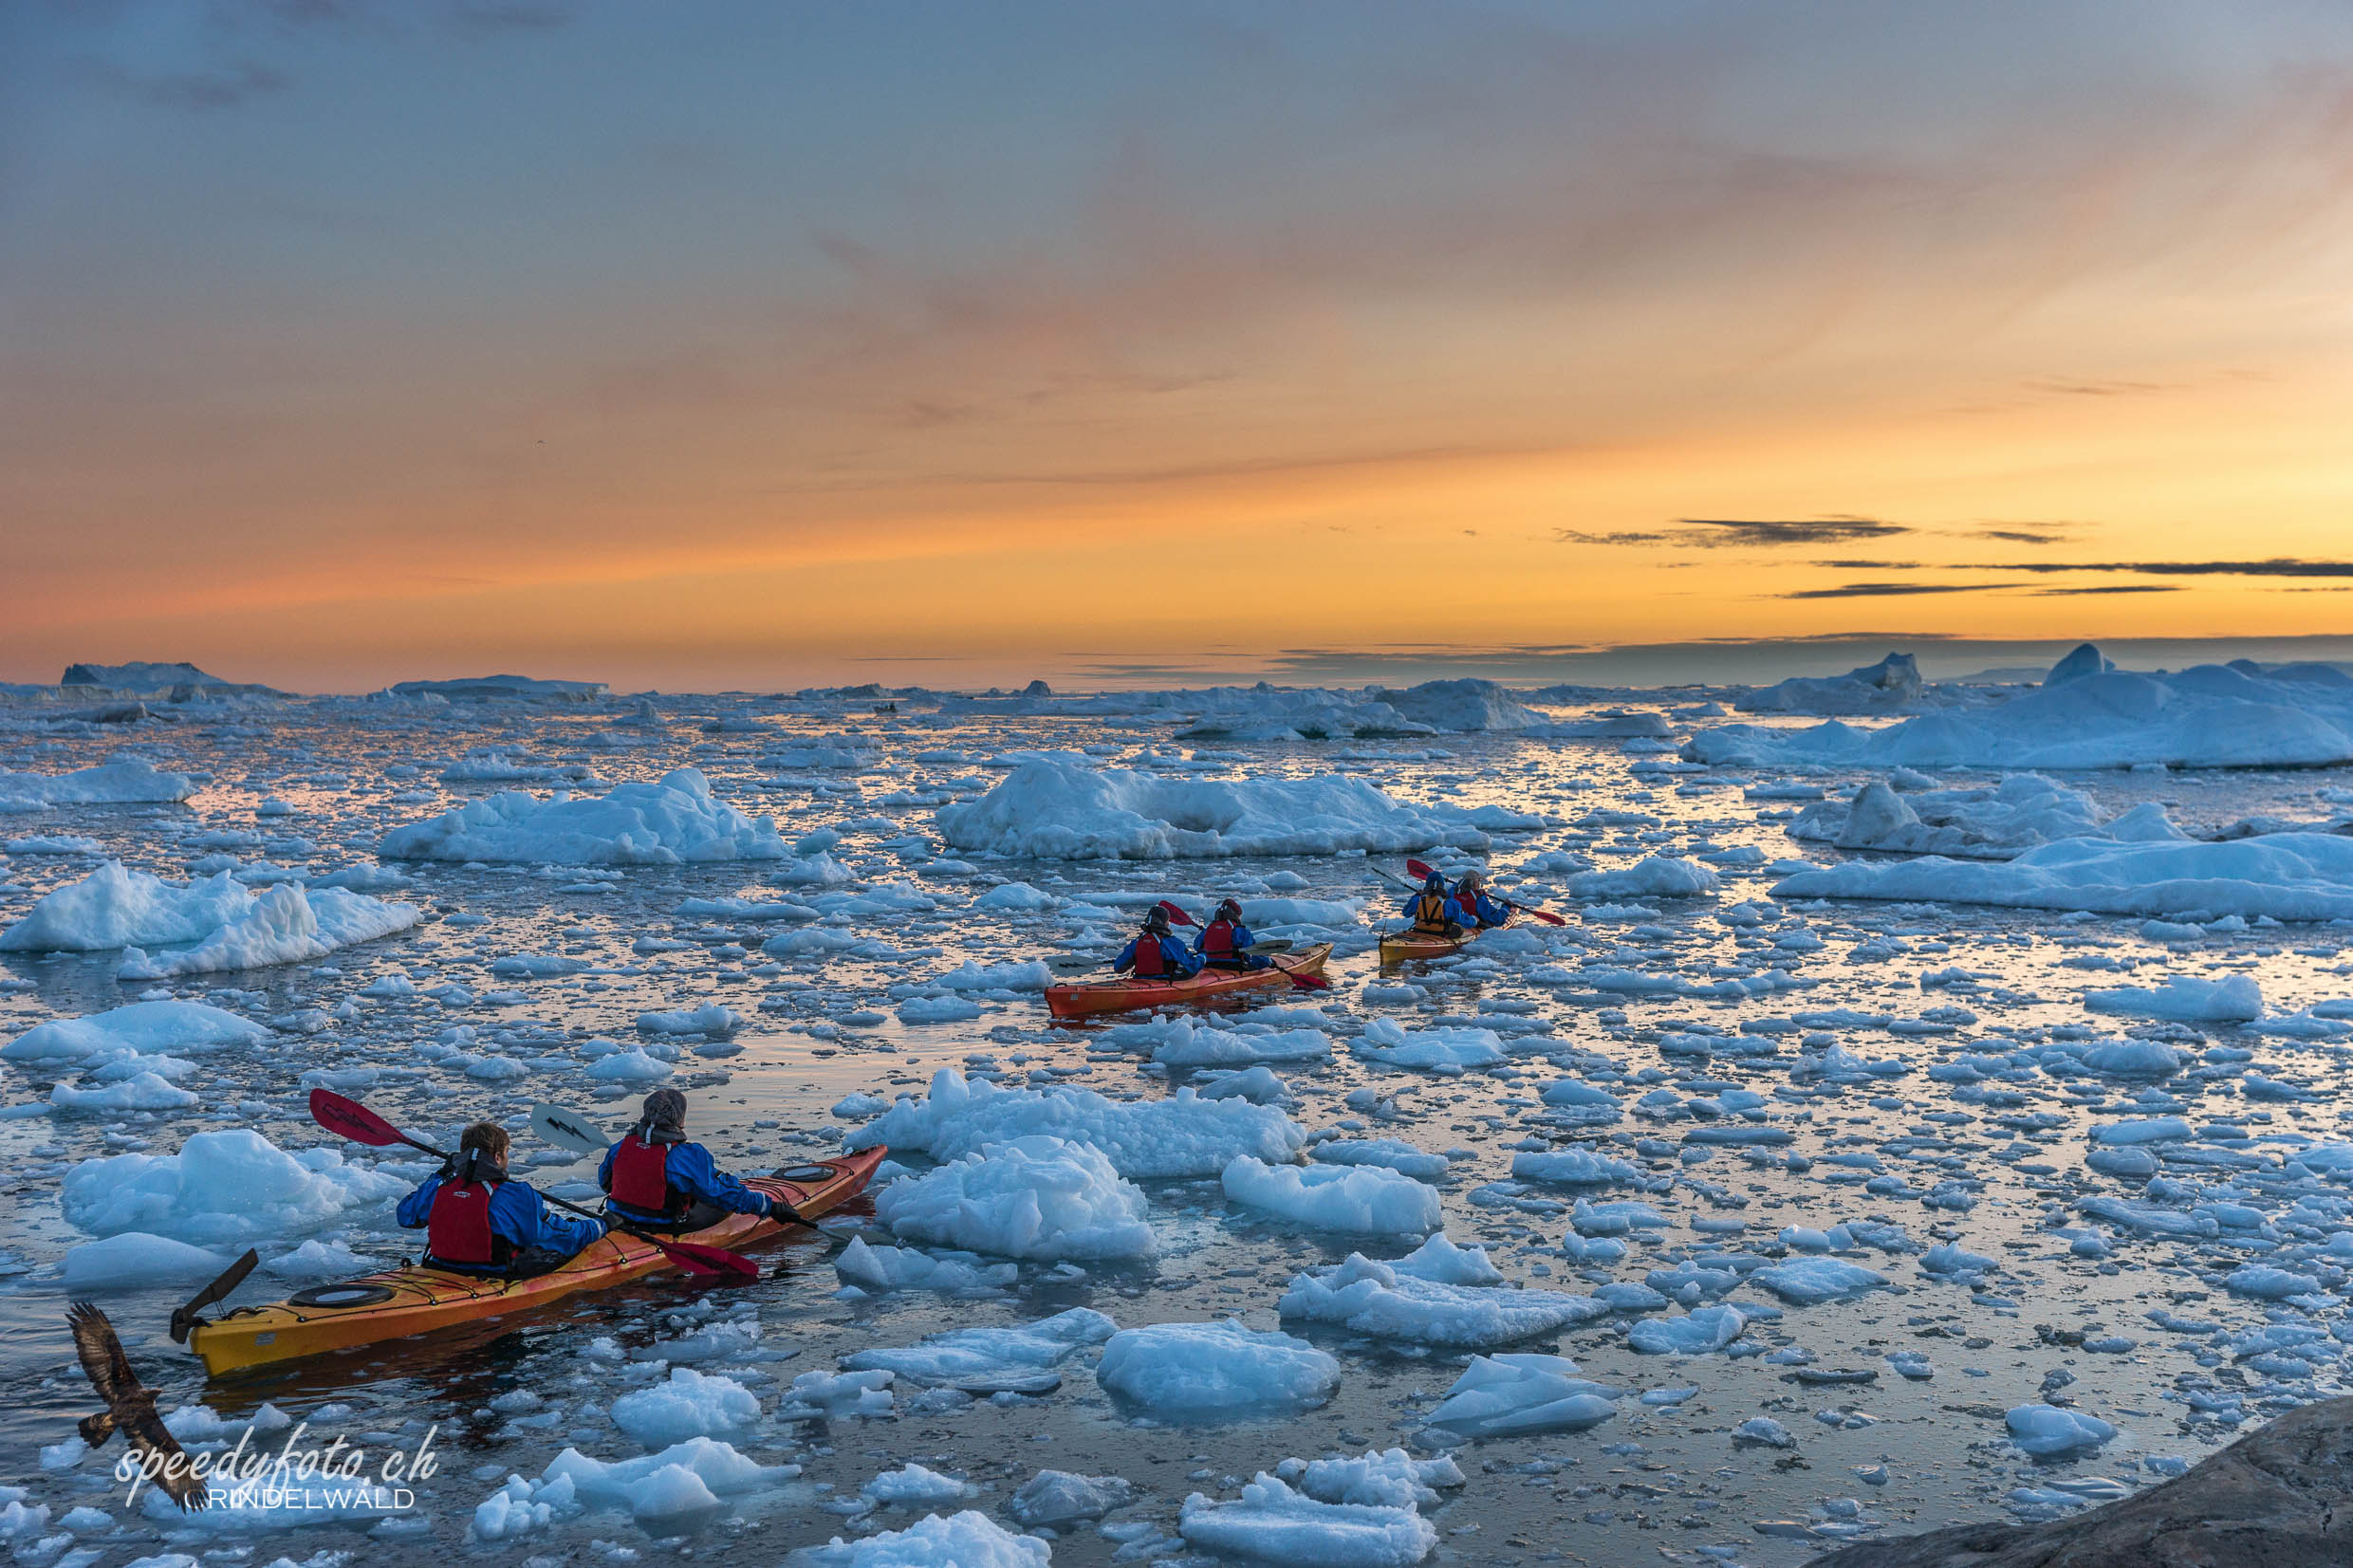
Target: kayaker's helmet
[1229, 909]
[1435, 884]
[1156, 921]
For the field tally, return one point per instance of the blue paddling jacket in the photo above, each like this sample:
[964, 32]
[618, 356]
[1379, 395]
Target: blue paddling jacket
[486, 1243]
[1165, 959]
[687, 1174]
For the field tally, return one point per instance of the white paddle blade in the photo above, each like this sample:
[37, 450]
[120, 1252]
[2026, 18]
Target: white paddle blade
[569, 1129]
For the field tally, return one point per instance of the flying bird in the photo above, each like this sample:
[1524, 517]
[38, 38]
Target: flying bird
[130, 1407]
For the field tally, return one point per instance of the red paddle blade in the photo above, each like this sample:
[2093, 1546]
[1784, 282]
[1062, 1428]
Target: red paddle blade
[1420, 869]
[708, 1261]
[1547, 917]
[1311, 983]
[1175, 915]
[349, 1118]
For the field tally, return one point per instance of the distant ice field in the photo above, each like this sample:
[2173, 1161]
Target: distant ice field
[1977, 1136]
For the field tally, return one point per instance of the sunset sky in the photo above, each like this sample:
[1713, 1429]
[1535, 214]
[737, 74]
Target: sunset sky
[761, 345]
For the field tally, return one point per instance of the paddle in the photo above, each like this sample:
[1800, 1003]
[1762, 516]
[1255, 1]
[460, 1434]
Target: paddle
[1176, 916]
[570, 1130]
[1546, 915]
[349, 1118]
[185, 1319]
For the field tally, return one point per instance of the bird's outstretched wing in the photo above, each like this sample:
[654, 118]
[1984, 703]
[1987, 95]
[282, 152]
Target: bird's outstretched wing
[102, 1360]
[130, 1407]
[148, 1437]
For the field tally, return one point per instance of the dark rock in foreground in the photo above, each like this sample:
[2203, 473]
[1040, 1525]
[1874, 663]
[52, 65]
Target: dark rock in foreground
[2282, 1497]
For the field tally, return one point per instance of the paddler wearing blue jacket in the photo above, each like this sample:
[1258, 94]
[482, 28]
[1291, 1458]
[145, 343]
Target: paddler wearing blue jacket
[1478, 908]
[1156, 955]
[1224, 943]
[654, 1180]
[1435, 912]
[478, 1222]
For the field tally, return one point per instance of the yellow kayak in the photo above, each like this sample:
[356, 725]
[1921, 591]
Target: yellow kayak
[403, 1302]
[1403, 947]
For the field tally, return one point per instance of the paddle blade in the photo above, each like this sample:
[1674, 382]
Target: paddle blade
[184, 1318]
[350, 1119]
[1175, 915]
[708, 1261]
[1547, 917]
[568, 1130]
[1419, 869]
[1310, 983]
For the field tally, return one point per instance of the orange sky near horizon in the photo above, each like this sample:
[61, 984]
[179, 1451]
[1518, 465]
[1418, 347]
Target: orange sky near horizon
[1214, 340]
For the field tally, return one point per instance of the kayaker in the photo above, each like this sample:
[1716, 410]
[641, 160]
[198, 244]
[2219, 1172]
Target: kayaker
[1476, 907]
[654, 1180]
[477, 1221]
[1224, 942]
[1156, 955]
[1434, 910]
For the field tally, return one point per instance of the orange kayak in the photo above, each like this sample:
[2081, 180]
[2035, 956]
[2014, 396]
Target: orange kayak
[403, 1302]
[1405, 946]
[1119, 996]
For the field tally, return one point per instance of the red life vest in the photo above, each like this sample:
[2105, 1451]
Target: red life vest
[1469, 899]
[1217, 939]
[1151, 962]
[640, 1176]
[457, 1230]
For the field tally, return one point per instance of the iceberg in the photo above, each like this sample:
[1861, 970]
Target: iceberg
[1040, 1196]
[1272, 1523]
[1154, 1140]
[2086, 716]
[673, 820]
[2289, 876]
[1198, 1371]
[1395, 1301]
[1060, 811]
[1359, 1199]
[200, 927]
[121, 782]
[227, 1186]
[1993, 823]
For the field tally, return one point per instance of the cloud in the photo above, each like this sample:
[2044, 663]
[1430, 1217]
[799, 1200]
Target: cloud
[2023, 536]
[1716, 533]
[2111, 588]
[1888, 590]
[2275, 566]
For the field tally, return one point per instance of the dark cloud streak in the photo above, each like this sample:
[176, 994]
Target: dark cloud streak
[1890, 590]
[1719, 533]
[2276, 566]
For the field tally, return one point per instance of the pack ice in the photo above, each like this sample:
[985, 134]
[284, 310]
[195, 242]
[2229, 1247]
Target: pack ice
[1059, 811]
[2086, 714]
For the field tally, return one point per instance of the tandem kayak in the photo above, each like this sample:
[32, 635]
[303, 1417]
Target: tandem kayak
[403, 1302]
[1077, 1000]
[1402, 947]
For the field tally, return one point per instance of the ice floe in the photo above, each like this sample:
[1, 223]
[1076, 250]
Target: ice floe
[1209, 1371]
[1039, 1196]
[668, 822]
[1051, 810]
